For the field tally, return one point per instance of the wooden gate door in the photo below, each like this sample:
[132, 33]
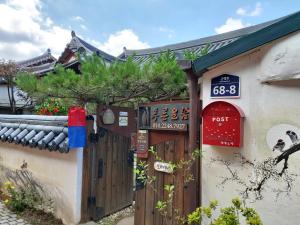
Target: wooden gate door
[107, 168]
[171, 147]
[114, 185]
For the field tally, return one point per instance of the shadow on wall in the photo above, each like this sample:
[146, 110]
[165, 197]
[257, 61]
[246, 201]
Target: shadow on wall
[50, 199]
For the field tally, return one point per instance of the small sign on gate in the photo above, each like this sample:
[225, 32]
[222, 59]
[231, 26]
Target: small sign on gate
[163, 167]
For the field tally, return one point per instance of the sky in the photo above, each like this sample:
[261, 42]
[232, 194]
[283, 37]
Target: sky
[29, 27]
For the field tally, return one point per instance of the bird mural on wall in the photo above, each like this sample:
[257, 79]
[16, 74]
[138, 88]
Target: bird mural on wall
[279, 146]
[293, 136]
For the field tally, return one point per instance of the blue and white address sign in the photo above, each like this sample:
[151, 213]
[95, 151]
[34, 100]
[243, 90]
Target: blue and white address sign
[225, 86]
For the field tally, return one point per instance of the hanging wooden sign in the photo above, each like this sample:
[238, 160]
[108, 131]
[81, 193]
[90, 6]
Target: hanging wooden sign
[164, 116]
[142, 143]
[163, 167]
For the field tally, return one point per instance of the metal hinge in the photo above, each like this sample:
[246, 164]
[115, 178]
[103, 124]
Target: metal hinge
[99, 213]
[100, 168]
[91, 200]
[94, 138]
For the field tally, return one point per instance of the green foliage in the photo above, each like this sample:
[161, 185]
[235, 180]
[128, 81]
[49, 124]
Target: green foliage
[195, 217]
[228, 215]
[141, 172]
[20, 199]
[122, 81]
[164, 206]
[190, 55]
[161, 206]
[52, 106]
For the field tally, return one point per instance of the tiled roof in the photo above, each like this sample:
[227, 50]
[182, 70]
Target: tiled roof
[78, 45]
[37, 61]
[213, 43]
[42, 69]
[277, 29]
[39, 65]
[42, 132]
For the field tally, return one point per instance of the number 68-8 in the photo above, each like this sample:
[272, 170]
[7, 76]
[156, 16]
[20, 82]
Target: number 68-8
[221, 90]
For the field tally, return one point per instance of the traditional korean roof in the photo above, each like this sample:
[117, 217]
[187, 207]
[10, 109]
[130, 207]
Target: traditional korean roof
[42, 132]
[266, 34]
[38, 60]
[42, 69]
[78, 45]
[39, 65]
[212, 43]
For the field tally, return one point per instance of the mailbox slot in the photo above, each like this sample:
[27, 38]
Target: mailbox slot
[222, 124]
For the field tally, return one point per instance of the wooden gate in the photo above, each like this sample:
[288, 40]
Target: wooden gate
[170, 146]
[107, 169]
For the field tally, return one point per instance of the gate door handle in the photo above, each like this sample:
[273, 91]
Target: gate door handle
[100, 168]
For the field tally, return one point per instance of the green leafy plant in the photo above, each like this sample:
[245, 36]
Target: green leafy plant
[52, 106]
[20, 198]
[165, 206]
[228, 215]
[16, 199]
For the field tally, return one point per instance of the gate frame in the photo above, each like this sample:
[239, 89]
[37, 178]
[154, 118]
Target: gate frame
[89, 209]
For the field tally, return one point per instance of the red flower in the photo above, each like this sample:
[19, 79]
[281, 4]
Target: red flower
[55, 110]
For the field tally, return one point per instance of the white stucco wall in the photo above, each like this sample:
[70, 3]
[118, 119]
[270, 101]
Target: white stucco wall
[60, 174]
[265, 105]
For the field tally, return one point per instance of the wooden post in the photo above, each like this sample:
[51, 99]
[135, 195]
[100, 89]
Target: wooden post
[194, 188]
[186, 65]
[194, 110]
[86, 174]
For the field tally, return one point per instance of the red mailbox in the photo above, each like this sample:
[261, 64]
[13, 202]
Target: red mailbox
[222, 124]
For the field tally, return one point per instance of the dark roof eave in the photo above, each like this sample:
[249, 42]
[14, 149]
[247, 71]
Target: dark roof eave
[266, 35]
[185, 65]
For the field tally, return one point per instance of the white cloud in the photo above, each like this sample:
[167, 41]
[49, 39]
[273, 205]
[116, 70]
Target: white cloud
[48, 22]
[241, 11]
[231, 24]
[165, 29]
[257, 11]
[170, 32]
[124, 38]
[25, 32]
[77, 18]
[244, 11]
[83, 27]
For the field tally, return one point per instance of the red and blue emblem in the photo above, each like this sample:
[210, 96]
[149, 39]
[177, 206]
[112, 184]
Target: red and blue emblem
[77, 127]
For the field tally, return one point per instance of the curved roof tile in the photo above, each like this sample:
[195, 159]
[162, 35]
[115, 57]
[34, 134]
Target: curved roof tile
[216, 42]
[43, 132]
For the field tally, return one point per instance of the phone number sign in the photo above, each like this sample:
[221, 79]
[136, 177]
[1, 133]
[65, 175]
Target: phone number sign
[225, 86]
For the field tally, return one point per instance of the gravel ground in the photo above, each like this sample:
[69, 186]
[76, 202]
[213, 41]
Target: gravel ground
[9, 218]
[116, 217]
